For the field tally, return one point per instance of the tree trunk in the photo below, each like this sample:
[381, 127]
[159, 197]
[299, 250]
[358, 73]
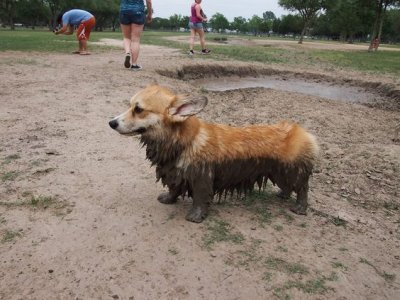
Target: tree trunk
[381, 25]
[377, 22]
[303, 31]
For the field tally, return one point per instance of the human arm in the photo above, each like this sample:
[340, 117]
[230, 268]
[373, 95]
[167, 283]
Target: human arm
[198, 13]
[149, 16]
[66, 29]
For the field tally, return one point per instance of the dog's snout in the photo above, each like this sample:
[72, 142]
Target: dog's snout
[113, 124]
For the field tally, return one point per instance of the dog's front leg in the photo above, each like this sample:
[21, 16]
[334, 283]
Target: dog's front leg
[171, 196]
[300, 207]
[202, 194]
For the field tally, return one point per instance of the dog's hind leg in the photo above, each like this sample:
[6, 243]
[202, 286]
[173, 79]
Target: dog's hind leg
[300, 207]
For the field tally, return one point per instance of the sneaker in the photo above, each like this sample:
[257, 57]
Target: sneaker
[205, 51]
[136, 67]
[191, 52]
[127, 62]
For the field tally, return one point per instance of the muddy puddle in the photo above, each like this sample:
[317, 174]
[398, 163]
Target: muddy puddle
[325, 90]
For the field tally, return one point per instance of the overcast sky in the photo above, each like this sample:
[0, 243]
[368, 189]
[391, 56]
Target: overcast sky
[230, 9]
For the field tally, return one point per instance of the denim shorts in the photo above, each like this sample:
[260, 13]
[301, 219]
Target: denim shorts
[131, 17]
[195, 25]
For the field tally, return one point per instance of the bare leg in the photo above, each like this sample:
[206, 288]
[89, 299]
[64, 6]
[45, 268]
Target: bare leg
[192, 37]
[136, 31]
[126, 31]
[202, 38]
[82, 46]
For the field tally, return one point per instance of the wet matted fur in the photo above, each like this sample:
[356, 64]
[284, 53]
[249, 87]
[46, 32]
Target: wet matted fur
[200, 159]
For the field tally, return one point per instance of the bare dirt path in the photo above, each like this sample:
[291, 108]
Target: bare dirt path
[283, 43]
[79, 217]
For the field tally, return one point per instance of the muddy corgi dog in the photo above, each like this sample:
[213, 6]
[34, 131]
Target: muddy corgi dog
[201, 160]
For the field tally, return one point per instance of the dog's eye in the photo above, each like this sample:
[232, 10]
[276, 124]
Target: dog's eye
[137, 110]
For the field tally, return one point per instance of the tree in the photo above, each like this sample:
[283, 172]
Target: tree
[106, 13]
[308, 9]
[54, 7]
[344, 19]
[31, 12]
[175, 21]
[219, 22]
[184, 23]
[391, 28]
[239, 24]
[269, 16]
[255, 24]
[8, 11]
[290, 24]
[380, 10]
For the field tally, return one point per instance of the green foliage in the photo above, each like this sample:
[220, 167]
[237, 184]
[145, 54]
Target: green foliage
[219, 22]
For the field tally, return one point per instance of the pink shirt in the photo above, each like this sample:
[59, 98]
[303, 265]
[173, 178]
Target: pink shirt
[193, 17]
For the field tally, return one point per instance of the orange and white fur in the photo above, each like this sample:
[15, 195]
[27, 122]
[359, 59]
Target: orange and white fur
[201, 159]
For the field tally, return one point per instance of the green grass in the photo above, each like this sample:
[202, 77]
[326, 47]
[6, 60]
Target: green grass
[9, 176]
[220, 231]
[380, 62]
[339, 265]
[386, 276]
[42, 201]
[312, 286]
[60, 208]
[279, 264]
[11, 158]
[10, 235]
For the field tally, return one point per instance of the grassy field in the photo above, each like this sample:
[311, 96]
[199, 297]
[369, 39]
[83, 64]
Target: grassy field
[379, 62]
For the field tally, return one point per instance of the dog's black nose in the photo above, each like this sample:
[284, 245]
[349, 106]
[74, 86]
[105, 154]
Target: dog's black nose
[113, 124]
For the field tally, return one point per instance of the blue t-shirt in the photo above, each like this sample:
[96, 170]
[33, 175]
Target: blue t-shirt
[132, 5]
[75, 17]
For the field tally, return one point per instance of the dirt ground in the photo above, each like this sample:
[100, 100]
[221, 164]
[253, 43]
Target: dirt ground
[79, 217]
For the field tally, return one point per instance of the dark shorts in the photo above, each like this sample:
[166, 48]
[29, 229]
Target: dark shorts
[131, 17]
[195, 25]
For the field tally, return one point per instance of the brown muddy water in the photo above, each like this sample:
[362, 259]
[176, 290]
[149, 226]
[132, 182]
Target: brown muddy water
[325, 90]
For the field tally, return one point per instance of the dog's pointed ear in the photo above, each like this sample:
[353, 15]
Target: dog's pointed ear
[186, 106]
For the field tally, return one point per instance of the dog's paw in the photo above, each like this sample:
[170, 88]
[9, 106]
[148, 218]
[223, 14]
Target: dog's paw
[166, 198]
[300, 210]
[196, 215]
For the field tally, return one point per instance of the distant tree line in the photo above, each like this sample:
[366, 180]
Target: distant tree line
[345, 20]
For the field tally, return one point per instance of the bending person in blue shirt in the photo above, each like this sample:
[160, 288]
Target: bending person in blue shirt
[84, 21]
